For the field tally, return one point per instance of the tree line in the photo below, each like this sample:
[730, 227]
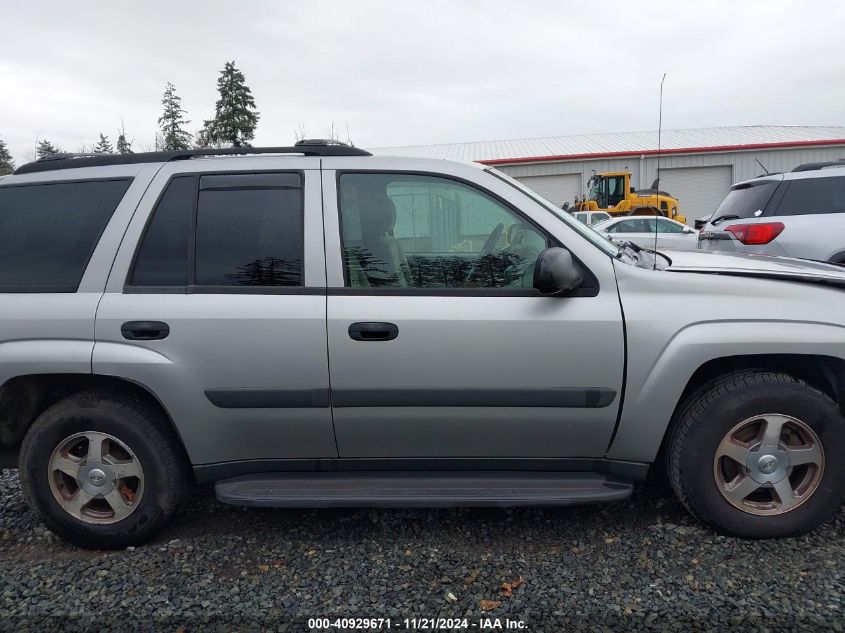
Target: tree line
[233, 125]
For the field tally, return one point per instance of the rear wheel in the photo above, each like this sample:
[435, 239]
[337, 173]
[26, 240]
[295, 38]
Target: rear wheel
[759, 454]
[102, 471]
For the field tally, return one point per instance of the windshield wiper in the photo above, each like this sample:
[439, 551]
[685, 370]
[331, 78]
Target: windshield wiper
[724, 217]
[629, 249]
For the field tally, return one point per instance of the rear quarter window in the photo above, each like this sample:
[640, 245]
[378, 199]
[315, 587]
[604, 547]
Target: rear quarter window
[48, 232]
[809, 196]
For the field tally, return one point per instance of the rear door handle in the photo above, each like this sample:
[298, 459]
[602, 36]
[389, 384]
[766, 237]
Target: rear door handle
[373, 331]
[144, 330]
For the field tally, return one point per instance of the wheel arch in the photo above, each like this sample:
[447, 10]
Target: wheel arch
[660, 378]
[23, 398]
[826, 373]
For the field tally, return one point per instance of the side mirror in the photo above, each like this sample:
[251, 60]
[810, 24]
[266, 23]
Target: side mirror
[688, 230]
[555, 273]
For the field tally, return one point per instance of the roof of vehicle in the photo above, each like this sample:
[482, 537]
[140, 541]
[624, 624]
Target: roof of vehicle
[807, 170]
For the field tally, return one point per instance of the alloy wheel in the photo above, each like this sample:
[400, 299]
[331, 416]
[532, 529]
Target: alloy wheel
[96, 478]
[768, 464]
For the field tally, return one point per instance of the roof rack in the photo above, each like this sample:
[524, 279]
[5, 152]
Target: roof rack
[821, 165]
[307, 147]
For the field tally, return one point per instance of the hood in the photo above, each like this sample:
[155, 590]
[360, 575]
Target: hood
[752, 265]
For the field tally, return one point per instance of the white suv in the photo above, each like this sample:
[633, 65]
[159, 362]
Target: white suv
[797, 214]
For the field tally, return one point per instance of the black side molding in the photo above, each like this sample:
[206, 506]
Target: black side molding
[592, 398]
[268, 398]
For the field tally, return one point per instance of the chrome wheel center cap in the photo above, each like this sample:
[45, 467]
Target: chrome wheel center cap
[97, 477]
[767, 464]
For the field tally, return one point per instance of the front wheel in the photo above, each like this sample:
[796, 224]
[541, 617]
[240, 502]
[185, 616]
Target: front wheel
[759, 454]
[102, 471]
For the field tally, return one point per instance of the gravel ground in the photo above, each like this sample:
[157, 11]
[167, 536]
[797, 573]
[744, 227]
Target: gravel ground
[638, 564]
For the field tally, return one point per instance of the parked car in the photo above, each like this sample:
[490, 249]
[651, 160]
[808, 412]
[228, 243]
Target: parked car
[316, 326]
[591, 217]
[797, 214]
[642, 231]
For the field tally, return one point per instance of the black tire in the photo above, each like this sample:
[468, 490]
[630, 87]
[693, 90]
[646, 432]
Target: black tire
[166, 474]
[710, 413]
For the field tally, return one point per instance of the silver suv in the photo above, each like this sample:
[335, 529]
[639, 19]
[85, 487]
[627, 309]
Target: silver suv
[316, 326]
[797, 214]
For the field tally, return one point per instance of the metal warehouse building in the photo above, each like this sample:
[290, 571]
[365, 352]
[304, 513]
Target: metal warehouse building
[697, 166]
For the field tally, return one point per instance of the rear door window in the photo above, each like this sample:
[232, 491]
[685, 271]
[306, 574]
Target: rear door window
[48, 232]
[225, 230]
[249, 237]
[813, 196]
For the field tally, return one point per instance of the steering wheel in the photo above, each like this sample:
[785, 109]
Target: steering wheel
[487, 249]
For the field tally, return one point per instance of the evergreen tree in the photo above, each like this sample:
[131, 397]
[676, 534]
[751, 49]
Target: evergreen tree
[235, 117]
[171, 122]
[7, 165]
[46, 148]
[124, 146]
[202, 139]
[104, 145]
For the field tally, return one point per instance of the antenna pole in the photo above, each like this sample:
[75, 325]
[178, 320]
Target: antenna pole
[659, 132]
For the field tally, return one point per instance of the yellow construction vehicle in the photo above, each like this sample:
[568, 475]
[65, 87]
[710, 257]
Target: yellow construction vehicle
[612, 192]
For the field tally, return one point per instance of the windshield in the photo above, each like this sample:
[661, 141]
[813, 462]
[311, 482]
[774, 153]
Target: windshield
[746, 200]
[595, 238]
[607, 191]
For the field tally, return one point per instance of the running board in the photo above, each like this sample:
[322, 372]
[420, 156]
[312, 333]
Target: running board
[419, 489]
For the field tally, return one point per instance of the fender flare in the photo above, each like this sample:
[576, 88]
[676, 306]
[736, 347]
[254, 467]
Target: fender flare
[653, 394]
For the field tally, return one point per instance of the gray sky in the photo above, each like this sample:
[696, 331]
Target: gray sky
[409, 72]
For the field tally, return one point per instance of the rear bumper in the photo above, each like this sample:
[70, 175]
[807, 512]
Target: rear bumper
[730, 244]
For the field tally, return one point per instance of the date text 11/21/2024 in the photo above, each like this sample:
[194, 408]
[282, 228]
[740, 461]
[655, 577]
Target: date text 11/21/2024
[415, 624]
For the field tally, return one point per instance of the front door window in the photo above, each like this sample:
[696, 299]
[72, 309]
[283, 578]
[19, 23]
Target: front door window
[414, 231]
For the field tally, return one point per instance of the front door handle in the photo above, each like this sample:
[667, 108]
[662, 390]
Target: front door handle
[144, 330]
[373, 331]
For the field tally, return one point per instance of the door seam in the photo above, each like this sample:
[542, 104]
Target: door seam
[326, 310]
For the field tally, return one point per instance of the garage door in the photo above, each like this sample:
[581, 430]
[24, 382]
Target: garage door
[557, 189]
[699, 190]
